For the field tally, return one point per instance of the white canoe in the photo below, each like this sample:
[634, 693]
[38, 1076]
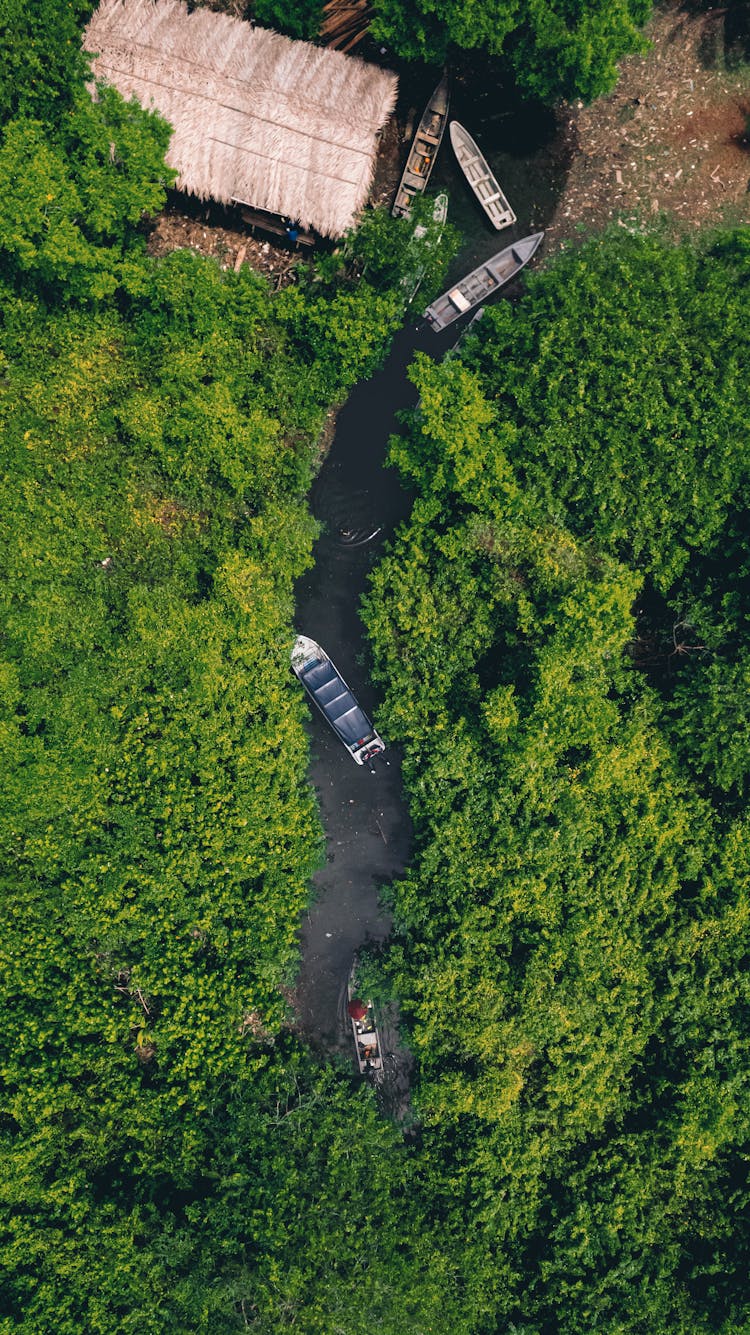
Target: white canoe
[477, 171]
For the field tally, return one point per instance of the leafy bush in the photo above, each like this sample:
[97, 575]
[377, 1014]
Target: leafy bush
[569, 938]
[301, 19]
[553, 49]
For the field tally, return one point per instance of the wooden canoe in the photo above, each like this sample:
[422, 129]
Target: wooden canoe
[482, 282]
[477, 171]
[423, 151]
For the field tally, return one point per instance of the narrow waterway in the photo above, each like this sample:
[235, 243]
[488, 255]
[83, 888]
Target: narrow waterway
[364, 814]
[365, 817]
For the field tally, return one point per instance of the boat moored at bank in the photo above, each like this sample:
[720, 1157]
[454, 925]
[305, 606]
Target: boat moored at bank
[481, 178]
[423, 151]
[482, 282]
[367, 1046]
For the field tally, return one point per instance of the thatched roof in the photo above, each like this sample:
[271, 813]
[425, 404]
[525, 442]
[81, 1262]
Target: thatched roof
[281, 125]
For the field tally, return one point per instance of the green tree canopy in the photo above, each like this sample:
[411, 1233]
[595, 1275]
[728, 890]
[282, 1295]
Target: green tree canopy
[554, 48]
[570, 939]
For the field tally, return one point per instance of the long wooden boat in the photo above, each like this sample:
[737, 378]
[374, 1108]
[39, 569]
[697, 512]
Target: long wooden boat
[423, 151]
[327, 688]
[477, 171]
[481, 283]
[420, 240]
[367, 1047]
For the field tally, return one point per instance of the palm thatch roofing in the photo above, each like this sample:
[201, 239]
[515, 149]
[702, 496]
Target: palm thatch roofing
[280, 125]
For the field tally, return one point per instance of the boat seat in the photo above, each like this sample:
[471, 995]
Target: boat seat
[342, 705]
[352, 724]
[329, 691]
[319, 674]
[459, 300]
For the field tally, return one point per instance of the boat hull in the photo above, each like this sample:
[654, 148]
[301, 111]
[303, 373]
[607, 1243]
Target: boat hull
[482, 282]
[367, 1047]
[483, 182]
[328, 690]
[423, 151]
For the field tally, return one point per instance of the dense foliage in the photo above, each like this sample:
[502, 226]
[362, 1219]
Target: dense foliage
[548, 48]
[301, 19]
[41, 61]
[554, 48]
[572, 940]
[561, 631]
[172, 1159]
[158, 832]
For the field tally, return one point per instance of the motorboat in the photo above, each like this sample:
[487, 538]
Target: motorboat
[327, 688]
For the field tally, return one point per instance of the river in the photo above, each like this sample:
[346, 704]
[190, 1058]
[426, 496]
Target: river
[368, 835]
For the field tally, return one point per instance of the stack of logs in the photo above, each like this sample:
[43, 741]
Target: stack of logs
[345, 23]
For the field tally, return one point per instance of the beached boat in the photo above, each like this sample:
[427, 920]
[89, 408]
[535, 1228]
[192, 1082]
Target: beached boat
[326, 686]
[420, 240]
[481, 283]
[364, 1029]
[423, 151]
[477, 171]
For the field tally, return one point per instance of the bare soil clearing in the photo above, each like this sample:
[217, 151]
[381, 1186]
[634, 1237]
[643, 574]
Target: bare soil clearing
[211, 230]
[671, 140]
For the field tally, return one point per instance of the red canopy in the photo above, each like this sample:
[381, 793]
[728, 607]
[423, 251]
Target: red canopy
[357, 1009]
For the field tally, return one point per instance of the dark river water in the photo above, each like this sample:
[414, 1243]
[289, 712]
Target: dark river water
[364, 814]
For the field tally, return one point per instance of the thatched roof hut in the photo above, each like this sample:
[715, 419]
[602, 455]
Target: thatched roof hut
[283, 126]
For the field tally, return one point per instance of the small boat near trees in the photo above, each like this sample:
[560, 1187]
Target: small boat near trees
[478, 173]
[482, 282]
[326, 686]
[423, 237]
[364, 1029]
[423, 151]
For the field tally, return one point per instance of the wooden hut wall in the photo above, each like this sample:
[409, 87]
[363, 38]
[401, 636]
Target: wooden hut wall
[282, 125]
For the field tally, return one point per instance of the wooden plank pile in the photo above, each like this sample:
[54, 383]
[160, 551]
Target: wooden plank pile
[345, 23]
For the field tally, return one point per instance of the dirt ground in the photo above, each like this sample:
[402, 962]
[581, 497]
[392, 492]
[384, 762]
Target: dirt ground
[215, 231]
[672, 139]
